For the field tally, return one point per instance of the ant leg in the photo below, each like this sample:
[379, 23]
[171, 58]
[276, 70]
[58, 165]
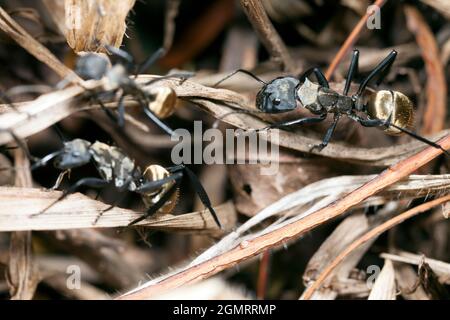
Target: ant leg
[108, 112]
[352, 70]
[156, 120]
[150, 60]
[236, 72]
[201, 192]
[294, 122]
[89, 182]
[158, 205]
[122, 190]
[153, 185]
[381, 70]
[120, 53]
[387, 123]
[328, 135]
[42, 162]
[121, 111]
[183, 76]
[319, 75]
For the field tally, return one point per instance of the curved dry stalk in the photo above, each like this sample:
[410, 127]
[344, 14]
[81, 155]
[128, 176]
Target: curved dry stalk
[318, 195]
[24, 39]
[289, 232]
[350, 41]
[370, 235]
[436, 87]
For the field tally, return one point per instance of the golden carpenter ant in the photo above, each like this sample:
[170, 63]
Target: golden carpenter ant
[116, 79]
[158, 186]
[387, 109]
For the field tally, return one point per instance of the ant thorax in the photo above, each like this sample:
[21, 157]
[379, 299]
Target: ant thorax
[113, 165]
[308, 94]
[116, 77]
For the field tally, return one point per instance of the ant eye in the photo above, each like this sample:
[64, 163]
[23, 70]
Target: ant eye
[276, 101]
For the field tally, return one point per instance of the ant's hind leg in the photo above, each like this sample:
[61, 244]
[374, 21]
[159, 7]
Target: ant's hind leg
[198, 187]
[89, 182]
[153, 185]
[295, 122]
[387, 123]
[158, 205]
[381, 70]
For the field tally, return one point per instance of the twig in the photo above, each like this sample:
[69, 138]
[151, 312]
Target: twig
[263, 275]
[369, 235]
[267, 33]
[350, 41]
[436, 89]
[23, 275]
[79, 211]
[199, 34]
[169, 23]
[102, 253]
[23, 38]
[289, 232]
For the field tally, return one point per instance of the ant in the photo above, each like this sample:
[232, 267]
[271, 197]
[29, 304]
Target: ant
[117, 78]
[158, 186]
[387, 109]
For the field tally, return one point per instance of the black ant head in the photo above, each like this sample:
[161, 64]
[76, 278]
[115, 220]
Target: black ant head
[75, 154]
[277, 96]
[92, 66]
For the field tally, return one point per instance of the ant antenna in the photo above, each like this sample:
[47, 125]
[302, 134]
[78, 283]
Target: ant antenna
[240, 71]
[59, 132]
[150, 60]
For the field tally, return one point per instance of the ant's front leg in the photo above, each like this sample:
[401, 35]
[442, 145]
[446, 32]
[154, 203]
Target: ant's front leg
[295, 122]
[319, 75]
[328, 135]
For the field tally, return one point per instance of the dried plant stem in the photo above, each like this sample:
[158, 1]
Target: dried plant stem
[350, 41]
[23, 276]
[292, 231]
[436, 109]
[263, 275]
[15, 31]
[267, 33]
[368, 236]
